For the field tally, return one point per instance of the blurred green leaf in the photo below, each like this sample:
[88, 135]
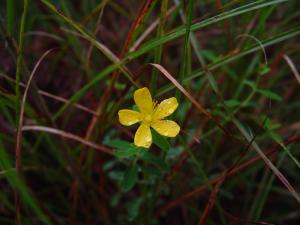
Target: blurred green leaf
[270, 125]
[130, 177]
[115, 199]
[124, 149]
[119, 144]
[155, 160]
[133, 208]
[263, 69]
[151, 171]
[270, 94]
[126, 153]
[232, 103]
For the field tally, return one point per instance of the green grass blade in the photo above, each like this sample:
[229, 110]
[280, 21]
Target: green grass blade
[185, 56]
[19, 185]
[267, 161]
[10, 16]
[174, 35]
[158, 50]
[220, 17]
[227, 59]
[20, 58]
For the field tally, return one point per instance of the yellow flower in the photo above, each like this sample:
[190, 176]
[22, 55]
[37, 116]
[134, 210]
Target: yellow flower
[151, 115]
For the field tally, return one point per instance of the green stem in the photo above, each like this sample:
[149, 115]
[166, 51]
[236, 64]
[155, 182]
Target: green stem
[10, 16]
[186, 45]
[18, 100]
[158, 50]
[20, 58]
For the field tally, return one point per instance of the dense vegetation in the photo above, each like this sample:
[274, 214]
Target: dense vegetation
[67, 67]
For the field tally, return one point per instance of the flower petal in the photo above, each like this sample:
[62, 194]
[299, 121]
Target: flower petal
[166, 127]
[143, 100]
[165, 108]
[128, 117]
[143, 137]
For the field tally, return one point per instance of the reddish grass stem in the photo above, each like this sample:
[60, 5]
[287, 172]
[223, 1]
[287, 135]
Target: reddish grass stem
[19, 134]
[180, 200]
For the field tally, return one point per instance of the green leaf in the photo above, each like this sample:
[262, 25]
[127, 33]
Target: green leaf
[116, 175]
[114, 201]
[133, 208]
[232, 103]
[126, 153]
[130, 177]
[151, 171]
[250, 84]
[155, 160]
[276, 137]
[270, 95]
[270, 125]
[124, 149]
[160, 141]
[119, 144]
[263, 69]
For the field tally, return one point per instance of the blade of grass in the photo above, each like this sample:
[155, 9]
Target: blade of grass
[18, 93]
[107, 93]
[21, 116]
[220, 17]
[230, 58]
[52, 96]
[13, 52]
[254, 145]
[292, 67]
[150, 28]
[183, 65]
[268, 162]
[20, 57]
[69, 136]
[16, 182]
[262, 194]
[182, 89]
[236, 169]
[193, 38]
[158, 50]
[90, 38]
[169, 37]
[10, 16]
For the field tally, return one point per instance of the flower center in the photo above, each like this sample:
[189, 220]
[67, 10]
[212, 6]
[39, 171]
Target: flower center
[148, 118]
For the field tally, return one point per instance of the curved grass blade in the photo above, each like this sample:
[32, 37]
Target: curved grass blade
[220, 17]
[227, 59]
[179, 32]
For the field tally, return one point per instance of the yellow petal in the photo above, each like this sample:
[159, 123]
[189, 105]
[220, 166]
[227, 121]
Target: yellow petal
[143, 100]
[128, 117]
[143, 137]
[166, 127]
[165, 108]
